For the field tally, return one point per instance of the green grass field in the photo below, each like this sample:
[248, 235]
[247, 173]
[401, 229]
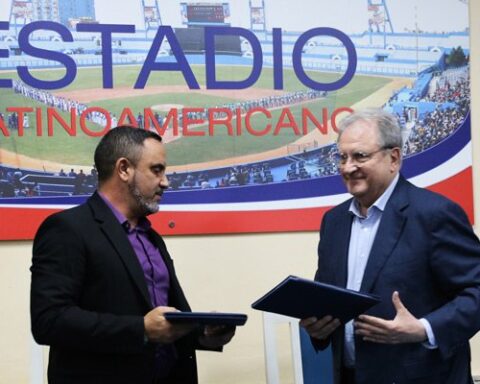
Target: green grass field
[66, 149]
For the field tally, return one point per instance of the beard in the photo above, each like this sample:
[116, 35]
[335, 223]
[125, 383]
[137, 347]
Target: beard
[144, 205]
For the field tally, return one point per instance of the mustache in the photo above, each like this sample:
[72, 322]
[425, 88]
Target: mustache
[355, 175]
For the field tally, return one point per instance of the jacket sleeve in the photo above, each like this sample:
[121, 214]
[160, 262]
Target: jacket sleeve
[59, 269]
[455, 262]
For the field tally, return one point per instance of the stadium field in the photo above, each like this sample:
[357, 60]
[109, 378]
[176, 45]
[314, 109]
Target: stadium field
[165, 88]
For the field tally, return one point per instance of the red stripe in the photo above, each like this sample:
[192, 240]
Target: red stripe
[239, 221]
[22, 223]
[459, 189]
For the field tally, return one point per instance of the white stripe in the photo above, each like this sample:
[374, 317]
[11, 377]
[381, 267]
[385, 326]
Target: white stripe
[310, 202]
[456, 164]
[38, 206]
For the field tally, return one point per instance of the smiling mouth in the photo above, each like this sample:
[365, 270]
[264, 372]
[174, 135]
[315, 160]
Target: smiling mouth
[353, 177]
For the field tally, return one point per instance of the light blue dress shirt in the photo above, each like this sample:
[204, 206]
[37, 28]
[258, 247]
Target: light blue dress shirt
[364, 229]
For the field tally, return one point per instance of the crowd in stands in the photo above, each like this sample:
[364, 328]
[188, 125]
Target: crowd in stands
[82, 182]
[234, 176]
[327, 166]
[297, 167]
[22, 183]
[459, 92]
[435, 126]
[432, 129]
[297, 171]
[12, 186]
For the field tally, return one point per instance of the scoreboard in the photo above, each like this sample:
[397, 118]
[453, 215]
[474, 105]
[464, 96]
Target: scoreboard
[192, 41]
[198, 16]
[205, 13]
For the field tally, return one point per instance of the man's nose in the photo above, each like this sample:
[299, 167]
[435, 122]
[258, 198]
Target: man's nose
[349, 166]
[164, 183]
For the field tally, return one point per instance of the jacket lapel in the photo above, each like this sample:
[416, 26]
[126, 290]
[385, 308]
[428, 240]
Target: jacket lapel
[343, 243]
[112, 229]
[389, 231]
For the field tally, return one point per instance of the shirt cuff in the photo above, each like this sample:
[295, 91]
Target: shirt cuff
[431, 343]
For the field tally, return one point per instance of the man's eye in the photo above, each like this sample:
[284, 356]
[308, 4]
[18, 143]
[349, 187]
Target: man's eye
[360, 156]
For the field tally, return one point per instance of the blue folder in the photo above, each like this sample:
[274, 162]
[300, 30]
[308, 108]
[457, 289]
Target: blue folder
[302, 298]
[207, 318]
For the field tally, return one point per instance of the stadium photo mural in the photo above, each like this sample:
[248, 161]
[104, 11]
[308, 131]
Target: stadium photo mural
[247, 96]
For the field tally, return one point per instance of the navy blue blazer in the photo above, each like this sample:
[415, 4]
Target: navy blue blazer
[426, 250]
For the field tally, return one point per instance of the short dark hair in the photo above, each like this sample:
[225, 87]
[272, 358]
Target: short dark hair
[122, 141]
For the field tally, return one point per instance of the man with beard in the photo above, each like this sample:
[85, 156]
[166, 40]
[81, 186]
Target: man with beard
[411, 247]
[102, 278]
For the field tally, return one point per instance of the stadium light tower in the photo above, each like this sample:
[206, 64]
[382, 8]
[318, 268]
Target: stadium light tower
[21, 13]
[379, 19]
[257, 15]
[151, 14]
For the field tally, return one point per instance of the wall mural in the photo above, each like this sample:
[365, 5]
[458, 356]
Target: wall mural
[247, 96]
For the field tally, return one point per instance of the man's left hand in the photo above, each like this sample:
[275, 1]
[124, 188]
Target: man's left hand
[215, 336]
[404, 328]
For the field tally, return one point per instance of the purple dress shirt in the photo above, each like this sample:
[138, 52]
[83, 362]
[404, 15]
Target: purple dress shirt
[156, 277]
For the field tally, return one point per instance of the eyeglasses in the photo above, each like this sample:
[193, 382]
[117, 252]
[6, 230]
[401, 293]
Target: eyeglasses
[358, 157]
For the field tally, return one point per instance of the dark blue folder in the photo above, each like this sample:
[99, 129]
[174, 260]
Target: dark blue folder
[302, 298]
[207, 318]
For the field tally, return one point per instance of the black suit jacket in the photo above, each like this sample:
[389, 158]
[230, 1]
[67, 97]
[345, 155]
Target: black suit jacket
[426, 250]
[88, 299]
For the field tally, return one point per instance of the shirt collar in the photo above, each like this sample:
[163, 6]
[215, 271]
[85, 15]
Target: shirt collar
[143, 223]
[379, 204]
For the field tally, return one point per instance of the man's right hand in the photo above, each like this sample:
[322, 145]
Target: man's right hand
[160, 330]
[320, 328]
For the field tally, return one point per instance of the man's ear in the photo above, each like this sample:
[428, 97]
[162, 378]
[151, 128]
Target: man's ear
[123, 168]
[396, 156]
